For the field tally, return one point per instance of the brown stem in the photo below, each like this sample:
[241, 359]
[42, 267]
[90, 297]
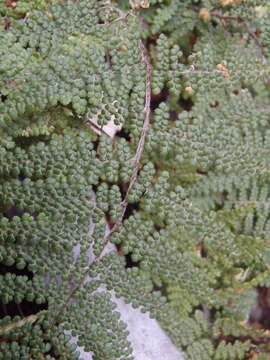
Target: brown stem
[136, 159]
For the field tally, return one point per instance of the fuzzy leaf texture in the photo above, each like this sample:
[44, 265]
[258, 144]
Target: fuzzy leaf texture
[183, 186]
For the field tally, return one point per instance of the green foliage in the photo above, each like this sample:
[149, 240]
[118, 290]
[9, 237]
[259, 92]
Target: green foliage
[182, 190]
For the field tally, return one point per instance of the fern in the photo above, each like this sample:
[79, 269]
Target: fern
[180, 187]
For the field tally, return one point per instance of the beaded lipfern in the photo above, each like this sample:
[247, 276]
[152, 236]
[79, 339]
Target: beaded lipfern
[181, 190]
